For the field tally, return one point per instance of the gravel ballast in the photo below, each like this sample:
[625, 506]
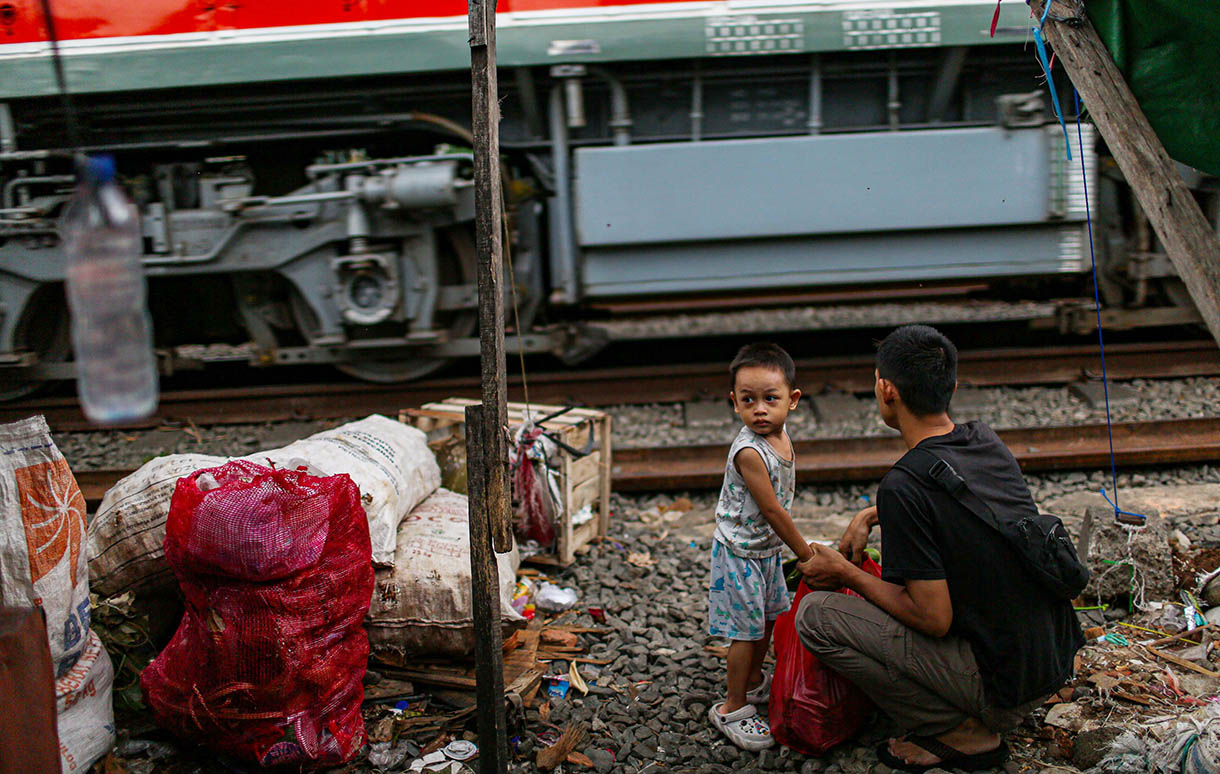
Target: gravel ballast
[656, 615]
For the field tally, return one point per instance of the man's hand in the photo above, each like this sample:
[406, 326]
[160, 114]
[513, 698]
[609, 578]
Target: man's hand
[825, 570]
[855, 537]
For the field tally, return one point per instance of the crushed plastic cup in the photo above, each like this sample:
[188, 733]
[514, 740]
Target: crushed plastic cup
[461, 750]
[555, 599]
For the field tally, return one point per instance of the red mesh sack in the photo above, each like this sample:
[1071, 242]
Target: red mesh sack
[812, 708]
[269, 660]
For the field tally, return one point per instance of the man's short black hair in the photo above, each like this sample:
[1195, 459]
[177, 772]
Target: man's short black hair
[766, 355]
[922, 364]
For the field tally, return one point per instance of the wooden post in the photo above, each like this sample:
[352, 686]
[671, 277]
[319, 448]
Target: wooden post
[1193, 247]
[485, 595]
[486, 442]
[489, 231]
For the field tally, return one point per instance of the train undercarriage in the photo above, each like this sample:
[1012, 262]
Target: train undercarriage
[331, 221]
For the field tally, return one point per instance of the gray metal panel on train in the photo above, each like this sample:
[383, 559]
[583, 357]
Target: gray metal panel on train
[846, 259]
[826, 184]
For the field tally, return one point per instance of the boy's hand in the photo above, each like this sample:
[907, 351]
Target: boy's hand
[855, 537]
[825, 570]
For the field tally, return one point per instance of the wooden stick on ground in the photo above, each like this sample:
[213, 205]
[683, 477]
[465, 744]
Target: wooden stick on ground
[1172, 659]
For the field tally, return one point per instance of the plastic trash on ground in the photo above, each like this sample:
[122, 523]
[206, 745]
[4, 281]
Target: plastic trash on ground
[555, 599]
[268, 662]
[44, 563]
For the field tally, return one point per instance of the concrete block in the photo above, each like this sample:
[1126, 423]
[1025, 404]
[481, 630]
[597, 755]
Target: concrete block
[707, 412]
[1094, 394]
[1103, 542]
[835, 406]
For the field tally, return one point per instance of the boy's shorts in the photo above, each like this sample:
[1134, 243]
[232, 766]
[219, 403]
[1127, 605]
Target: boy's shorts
[745, 594]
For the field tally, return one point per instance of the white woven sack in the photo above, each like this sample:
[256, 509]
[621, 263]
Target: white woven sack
[44, 562]
[422, 606]
[86, 714]
[127, 534]
[390, 463]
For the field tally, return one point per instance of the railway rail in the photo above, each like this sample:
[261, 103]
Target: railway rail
[647, 384]
[1166, 442]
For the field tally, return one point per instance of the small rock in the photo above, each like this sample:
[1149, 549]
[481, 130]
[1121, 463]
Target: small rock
[813, 766]
[603, 761]
[1178, 541]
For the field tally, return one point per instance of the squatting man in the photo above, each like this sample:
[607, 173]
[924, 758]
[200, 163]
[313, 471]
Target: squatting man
[957, 641]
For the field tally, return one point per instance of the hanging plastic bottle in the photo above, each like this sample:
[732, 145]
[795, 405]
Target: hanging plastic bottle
[116, 370]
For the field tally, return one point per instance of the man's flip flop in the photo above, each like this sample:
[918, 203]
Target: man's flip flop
[949, 757]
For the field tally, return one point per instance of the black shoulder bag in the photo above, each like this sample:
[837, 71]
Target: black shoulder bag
[1040, 539]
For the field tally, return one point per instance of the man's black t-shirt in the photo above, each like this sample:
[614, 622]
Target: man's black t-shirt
[1023, 640]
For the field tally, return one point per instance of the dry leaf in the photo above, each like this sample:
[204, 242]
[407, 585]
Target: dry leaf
[571, 738]
[577, 681]
[682, 504]
[544, 711]
[640, 559]
[383, 731]
[580, 759]
[113, 765]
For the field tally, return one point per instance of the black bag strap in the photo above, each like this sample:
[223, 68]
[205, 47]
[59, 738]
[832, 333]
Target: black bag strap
[927, 466]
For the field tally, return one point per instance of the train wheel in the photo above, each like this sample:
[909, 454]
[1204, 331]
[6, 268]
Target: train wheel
[457, 266]
[43, 330]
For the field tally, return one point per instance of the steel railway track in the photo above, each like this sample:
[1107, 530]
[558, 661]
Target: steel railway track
[643, 384]
[1168, 442]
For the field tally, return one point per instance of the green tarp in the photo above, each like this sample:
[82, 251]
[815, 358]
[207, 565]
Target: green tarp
[1169, 52]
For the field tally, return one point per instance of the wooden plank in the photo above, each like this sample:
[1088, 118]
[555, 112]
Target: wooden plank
[1189, 240]
[585, 468]
[583, 494]
[603, 521]
[1172, 659]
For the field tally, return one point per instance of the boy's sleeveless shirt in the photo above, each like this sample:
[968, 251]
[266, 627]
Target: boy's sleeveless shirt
[739, 524]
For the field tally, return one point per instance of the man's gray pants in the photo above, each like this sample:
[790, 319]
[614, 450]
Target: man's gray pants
[928, 685]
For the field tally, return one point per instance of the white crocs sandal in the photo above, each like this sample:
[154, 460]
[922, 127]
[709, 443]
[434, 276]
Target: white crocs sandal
[743, 728]
[762, 692]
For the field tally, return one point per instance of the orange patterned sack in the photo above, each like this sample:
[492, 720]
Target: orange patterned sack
[44, 563]
[269, 659]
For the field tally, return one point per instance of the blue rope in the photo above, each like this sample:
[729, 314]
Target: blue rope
[1040, 45]
[1101, 339]
[1140, 516]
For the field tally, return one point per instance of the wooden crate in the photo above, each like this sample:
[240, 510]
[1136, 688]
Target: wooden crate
[583, 481]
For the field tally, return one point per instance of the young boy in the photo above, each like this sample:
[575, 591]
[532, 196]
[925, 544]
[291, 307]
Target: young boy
[748, 590]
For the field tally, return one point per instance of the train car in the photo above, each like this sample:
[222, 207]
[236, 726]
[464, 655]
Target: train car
[303, 169]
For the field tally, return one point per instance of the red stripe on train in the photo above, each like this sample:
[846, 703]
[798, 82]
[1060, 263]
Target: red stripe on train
[21, 20]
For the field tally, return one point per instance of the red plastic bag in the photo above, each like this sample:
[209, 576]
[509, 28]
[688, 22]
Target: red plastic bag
[812, 708]
[269, 660]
